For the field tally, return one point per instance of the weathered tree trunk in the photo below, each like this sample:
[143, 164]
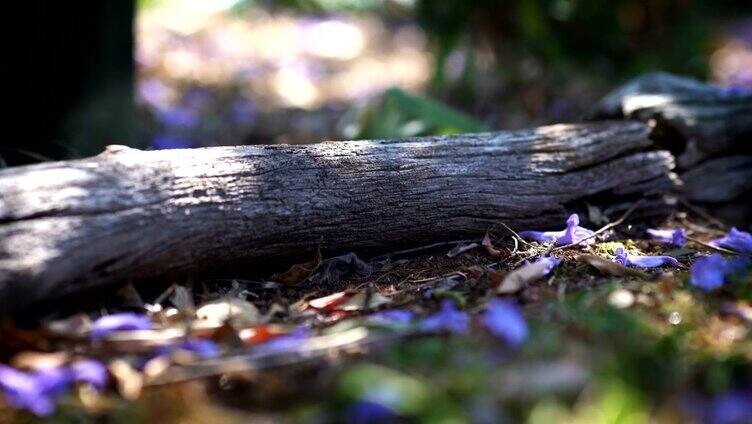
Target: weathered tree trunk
[707, 127]
[131, 214]
[704, 125]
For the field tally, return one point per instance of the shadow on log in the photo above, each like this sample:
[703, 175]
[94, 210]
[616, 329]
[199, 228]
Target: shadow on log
[133, 215]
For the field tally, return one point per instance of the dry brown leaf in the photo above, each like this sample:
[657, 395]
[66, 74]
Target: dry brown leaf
[238, 311]
[610, 267]
[490, 249]
[299, 272]
[520, 277]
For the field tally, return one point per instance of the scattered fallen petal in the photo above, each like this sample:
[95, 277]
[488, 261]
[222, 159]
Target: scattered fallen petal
[505, 320]
[447, 319]
[200, 347]
[610, 267]
[91, 372]
[125, 321]
[26, 391]
[367, 412]
[573, 234]
[625, 259]
[675, 237]
[526, 274]
[393, 316]
[711, 272]
[738, 241]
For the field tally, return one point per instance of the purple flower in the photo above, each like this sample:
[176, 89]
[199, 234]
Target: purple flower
[243, 112]
[447, 319]
[394, 316]
[202, 348]
[125, 321]
[550, 262]
[178, 117]
[711, 272]
[36, 392]
[166, 141]
[90, 371]
[364, 412]
[287, 343]
[624, 258]
[675, 237]
[505, 320]
[734, 407]
[573, 234]
[738, 241]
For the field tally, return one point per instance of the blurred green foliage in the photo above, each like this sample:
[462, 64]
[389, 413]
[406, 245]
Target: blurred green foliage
[399, 114]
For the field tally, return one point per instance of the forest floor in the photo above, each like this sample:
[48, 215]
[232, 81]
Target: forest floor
[412, 336]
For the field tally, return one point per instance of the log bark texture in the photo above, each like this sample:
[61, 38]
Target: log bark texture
[128, 214]
[709, 121]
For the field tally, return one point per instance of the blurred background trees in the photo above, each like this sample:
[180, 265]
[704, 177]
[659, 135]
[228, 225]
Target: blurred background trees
[253, 71]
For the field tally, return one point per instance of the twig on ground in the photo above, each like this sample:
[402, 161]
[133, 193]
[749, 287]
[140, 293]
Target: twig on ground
[710, 246]
[701, 213]
[419, 249]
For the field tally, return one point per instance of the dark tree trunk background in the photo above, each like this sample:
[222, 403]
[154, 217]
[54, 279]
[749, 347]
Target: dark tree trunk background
[76, 71]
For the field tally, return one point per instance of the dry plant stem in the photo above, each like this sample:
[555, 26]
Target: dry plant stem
[702, 214]
[420, 249]
[710, 246]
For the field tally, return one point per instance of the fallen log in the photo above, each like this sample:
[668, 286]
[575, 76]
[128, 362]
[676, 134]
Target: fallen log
[131, 215]
[697, 121]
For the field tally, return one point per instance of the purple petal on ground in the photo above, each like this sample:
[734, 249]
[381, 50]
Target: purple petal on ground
[125, 321]
[393, 316]
[541, 236]
[550, 262]
[90, 371]
[730, 408]
[738, 241]
[178, 117]
[203, 348]
[447, 319]
[574, 234]
[711, 272]
[505, 320]
[26, 391]
[675, 237]
[287, 343]
[365, 412]
[243, 112]
[625, 259]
